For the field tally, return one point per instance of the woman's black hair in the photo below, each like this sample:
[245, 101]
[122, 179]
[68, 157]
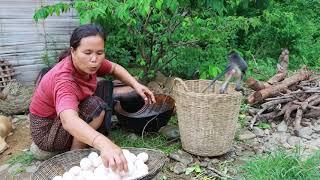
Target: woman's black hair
[79, 33]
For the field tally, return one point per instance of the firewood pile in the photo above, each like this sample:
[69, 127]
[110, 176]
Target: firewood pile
[291, 98]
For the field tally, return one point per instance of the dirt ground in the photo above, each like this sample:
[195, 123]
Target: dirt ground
[18, 141]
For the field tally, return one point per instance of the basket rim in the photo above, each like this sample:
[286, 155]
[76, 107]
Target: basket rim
[200, 94]
[43, 163]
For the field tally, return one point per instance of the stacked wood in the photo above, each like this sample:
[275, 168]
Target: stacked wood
[7, 75]
[290, 98]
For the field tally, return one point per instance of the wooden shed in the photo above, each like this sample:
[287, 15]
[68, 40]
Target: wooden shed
[24, 43]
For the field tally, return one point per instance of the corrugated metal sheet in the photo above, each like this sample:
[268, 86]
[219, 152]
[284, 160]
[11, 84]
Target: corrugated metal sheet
[23, 42]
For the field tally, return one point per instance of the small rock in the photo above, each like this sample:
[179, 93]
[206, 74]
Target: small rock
[155, 87]
[282, 127]
[273, 125]
[40, 154]
[14, 168]
[316, 128]
[132, 136]
[170, 132]
[258, 149]
[204, 163]
[315, 136]
[24, 176]
[160, 78]
[294, 141]
[246, 135]
[4, 167]
[267, 131]
[169, 83]
[15, 120]
[315, 142]
[305, 132]
[179, 168]
[258, 132]
[214, 161]
[114, 118]
[181, 156]
[31, 169]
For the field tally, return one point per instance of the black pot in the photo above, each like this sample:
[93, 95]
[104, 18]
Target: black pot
[136, 115]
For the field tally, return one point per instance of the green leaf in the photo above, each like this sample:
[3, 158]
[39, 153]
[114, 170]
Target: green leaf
[203, 75]
[159, 4]
[213, 70]
[197, 168]
[189, 170]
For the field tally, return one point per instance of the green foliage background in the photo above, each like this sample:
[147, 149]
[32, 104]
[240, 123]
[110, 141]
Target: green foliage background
[191, 38]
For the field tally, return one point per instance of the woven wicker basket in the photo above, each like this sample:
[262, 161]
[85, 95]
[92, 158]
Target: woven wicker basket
[207, 121]
[61, 163]
[18, 98]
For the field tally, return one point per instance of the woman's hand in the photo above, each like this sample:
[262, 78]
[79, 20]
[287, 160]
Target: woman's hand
[145, 93]
[111, 155]
[123, 75]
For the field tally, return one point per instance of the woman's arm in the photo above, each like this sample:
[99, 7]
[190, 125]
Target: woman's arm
[110, 153]
[123, 75]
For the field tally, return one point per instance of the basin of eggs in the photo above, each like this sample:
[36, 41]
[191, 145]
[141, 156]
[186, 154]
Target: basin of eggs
[92, 168]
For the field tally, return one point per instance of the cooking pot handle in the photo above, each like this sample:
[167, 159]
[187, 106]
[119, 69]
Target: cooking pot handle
[178, 80]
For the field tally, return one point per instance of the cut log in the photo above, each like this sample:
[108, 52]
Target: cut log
[282, 68]
[297, 121]
[258, 96]
[256, 85]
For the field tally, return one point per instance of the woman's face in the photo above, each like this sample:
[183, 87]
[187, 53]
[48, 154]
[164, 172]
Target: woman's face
[89, 55]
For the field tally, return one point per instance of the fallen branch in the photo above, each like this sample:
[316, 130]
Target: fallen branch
[254, 119]
[288, 112]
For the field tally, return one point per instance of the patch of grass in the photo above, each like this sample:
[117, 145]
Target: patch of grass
[24, 158]
[152, 141]
[173, 121]
[282, 165]
[18, 171]
[264, 125]
[242, 119]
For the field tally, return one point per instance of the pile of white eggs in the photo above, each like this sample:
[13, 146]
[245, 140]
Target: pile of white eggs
[92, 168]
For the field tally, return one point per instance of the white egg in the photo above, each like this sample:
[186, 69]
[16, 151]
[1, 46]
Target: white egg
[85, 164]
[97, 161]
[143, 156]
[131, 168]
[86, 174]
[92, 156]
[68, 176]
[101, 170]
[139, 163]
[140, 172]
[57, 178]
[80, 178]
[75, 170]
[114, 176]
[128, 155]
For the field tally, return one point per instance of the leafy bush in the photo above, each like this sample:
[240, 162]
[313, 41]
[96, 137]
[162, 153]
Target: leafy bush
[191, 38]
